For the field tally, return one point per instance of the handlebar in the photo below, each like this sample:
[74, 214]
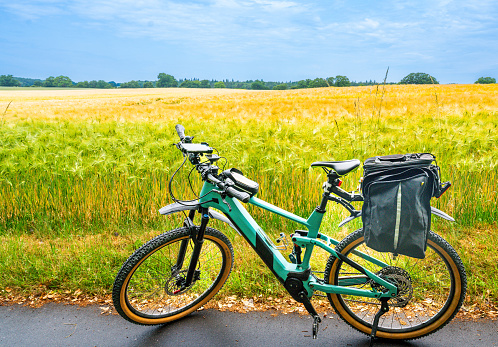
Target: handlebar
[244, 197]
[180, 130]
[195, 150]
[232, 192]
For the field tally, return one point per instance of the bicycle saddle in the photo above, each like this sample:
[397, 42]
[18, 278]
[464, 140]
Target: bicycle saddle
[341, 167]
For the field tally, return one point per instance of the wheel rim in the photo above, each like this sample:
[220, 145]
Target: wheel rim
[432, 292]
[148, 288]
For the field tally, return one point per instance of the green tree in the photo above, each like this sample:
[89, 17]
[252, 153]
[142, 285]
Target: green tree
[330, 81]
[190, 84]
[318, 83]
[63, 82]
[282, 86]
[131, 84]
[82, 84]
[148, 84]
[49, 82]
[220, 84]
[418, 78]
[303, 84]
[166, 81]
[342, 81]
[9, 81]
[37, 83]
[258, 85]
[103, 84]
[205, 84]
[485, 80]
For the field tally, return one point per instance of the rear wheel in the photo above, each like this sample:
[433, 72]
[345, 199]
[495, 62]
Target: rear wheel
[430, 290]
[149, 288]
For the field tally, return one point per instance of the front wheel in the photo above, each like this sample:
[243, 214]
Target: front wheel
[149, 287]
[430, 290]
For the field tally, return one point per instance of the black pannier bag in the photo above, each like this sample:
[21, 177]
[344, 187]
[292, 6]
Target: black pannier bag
[396, 212]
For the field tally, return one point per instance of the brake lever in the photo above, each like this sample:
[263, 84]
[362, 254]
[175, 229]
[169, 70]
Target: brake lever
[223, 195]
[226, 203]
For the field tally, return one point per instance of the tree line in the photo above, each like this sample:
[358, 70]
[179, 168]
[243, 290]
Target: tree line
[168, 81]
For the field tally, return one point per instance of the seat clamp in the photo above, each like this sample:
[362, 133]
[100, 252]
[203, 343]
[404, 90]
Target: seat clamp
[327, 187]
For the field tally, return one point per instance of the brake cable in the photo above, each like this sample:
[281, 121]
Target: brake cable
[185, 202]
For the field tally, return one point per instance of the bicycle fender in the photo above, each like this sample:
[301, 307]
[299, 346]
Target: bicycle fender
[349, 219]
[176, 207]
[441, 214]
[434, 211]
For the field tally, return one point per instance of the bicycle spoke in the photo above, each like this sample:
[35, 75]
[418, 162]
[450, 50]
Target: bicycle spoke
[425, 286]
[147, 287]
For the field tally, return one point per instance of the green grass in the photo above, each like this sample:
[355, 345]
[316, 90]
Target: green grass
[60, 176]
[77, 197]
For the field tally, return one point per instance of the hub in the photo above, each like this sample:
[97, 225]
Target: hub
[176, 283]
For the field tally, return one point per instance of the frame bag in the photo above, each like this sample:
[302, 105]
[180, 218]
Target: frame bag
[396, 212]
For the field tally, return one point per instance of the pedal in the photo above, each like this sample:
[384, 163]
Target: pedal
[316, 322]
[311, 310]
[295, 288]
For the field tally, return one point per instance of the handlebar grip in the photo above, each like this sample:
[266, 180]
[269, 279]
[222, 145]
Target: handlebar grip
[232, 192]
[180, 130]
[242, 196]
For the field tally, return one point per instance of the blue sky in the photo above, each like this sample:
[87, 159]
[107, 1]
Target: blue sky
[122, 40]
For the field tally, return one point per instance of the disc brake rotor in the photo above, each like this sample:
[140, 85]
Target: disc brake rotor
[176, 283]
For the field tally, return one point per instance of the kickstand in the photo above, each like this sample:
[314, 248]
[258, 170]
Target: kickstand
[383, 309]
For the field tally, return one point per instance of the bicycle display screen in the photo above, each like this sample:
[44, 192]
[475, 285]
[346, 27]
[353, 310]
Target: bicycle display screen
[196, 148]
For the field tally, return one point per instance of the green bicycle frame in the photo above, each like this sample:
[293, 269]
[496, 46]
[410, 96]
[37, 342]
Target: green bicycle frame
[280, 267]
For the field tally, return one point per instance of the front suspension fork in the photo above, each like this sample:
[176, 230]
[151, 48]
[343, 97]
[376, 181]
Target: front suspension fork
[188, 223]
[197, 236]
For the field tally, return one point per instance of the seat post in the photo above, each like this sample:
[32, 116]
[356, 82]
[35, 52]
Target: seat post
[332, 176]
[323, 203]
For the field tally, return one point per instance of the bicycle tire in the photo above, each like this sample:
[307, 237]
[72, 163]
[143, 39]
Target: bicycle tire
[438, 285]
[143, 291]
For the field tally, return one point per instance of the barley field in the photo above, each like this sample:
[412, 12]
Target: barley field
[84, 172]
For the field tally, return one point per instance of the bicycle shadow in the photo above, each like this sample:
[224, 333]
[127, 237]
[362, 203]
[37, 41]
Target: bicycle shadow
[193, 330]
[214, 328]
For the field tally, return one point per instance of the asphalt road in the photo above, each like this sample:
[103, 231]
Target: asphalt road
[68, 325]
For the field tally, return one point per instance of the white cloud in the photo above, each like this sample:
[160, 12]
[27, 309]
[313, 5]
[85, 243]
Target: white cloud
[241, 22]
[34, 9]
[330, 30]
[368, 24]
[218, 22]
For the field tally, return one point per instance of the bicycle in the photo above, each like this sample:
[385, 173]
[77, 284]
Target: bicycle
[380, 294]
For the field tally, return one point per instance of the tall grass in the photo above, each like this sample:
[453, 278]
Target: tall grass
[92, 174]
[94, 166]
